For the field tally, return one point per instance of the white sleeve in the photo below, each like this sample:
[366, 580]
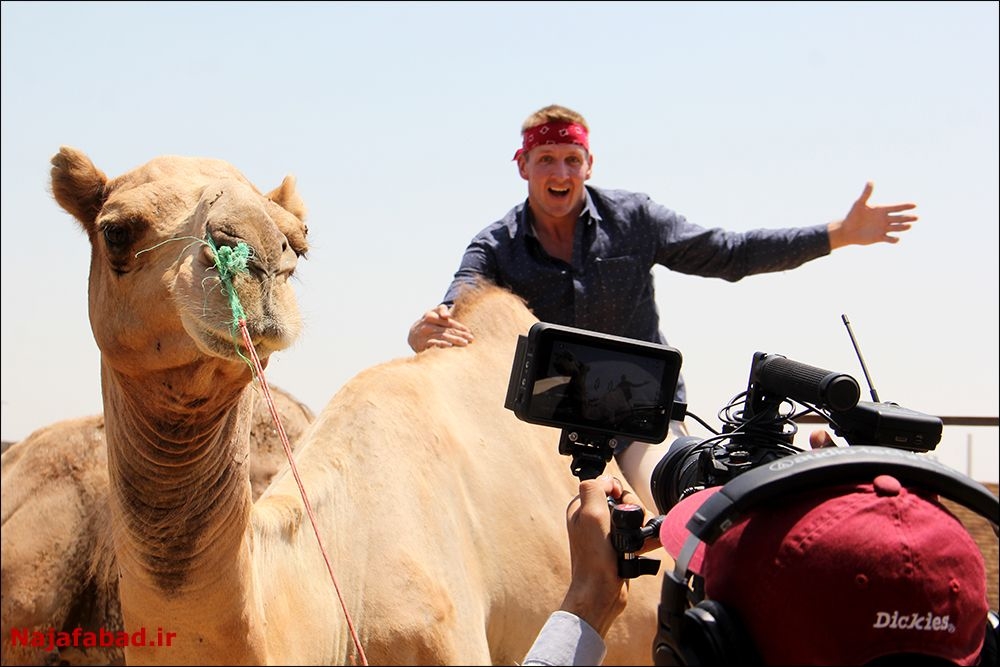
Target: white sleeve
[566, 639]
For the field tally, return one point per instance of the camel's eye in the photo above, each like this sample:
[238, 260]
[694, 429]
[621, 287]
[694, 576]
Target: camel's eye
[118, 237]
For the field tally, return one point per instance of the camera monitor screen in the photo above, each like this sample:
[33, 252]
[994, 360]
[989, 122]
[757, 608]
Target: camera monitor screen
[582, 380]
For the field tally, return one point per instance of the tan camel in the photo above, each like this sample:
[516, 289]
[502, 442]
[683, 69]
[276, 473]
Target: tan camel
[57, 559]
[55, 483]
[442, 515]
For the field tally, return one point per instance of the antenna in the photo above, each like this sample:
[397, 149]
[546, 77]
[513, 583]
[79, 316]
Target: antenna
[864, 366]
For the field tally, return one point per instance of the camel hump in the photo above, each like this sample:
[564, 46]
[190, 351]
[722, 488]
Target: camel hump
[492, 311]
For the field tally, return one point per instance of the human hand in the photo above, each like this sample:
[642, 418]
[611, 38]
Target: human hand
[437, 328]
[596, 593]
[821, 439]
[866, 224]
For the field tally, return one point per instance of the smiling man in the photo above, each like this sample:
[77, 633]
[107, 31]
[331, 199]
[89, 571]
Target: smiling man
[582, 256]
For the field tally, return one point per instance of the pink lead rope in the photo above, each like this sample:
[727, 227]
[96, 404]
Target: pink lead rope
[228, 261]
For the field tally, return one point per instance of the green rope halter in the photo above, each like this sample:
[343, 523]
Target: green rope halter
[230, 261]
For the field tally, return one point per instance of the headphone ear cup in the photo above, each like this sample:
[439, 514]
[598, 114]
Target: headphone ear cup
[716, 636]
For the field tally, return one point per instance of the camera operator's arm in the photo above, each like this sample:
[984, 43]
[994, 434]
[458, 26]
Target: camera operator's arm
[596, 594]
[639, 459]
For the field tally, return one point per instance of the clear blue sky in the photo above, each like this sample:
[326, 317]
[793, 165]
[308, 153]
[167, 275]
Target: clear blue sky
[400, 119]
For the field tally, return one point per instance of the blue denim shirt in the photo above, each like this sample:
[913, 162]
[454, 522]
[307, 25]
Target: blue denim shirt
[608, 285]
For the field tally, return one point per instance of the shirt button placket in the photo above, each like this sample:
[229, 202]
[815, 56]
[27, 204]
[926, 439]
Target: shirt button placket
[579, 303]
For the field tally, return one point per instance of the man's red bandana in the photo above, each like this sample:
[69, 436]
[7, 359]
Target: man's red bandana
[554, 132]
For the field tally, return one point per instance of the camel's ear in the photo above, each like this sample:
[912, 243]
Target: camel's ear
[287, 197]
[78, 185]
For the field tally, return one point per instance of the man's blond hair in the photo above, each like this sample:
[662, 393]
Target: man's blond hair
[553, 112]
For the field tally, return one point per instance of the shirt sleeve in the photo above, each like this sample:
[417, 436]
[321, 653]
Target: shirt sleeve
[717, 253]
[566, 639]
[478, 263]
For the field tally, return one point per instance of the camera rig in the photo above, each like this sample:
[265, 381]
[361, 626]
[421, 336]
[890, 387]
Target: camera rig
[600, 388]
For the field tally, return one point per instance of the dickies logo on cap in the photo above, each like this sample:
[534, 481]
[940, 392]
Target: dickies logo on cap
[844, 574]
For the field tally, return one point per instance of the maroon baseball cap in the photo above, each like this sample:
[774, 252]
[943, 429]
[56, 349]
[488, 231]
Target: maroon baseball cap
[845, 574]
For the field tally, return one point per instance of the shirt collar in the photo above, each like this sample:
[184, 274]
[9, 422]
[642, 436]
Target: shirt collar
[590, 211]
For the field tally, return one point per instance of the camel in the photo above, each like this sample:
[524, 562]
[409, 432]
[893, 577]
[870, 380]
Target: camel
[57, 559]
[441, 515]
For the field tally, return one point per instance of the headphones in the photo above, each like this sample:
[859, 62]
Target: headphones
[695, 631]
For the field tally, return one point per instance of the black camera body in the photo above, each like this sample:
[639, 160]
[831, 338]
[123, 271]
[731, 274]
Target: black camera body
[759, 427]
[593, 384]
[775, 379]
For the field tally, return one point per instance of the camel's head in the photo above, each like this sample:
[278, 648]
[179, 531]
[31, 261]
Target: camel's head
[156, 298]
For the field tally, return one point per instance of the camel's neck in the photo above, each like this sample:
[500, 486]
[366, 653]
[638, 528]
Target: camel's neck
[181, 501]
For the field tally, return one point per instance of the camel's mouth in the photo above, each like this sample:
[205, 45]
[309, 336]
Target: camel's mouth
[229, 343]
[211, 313]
